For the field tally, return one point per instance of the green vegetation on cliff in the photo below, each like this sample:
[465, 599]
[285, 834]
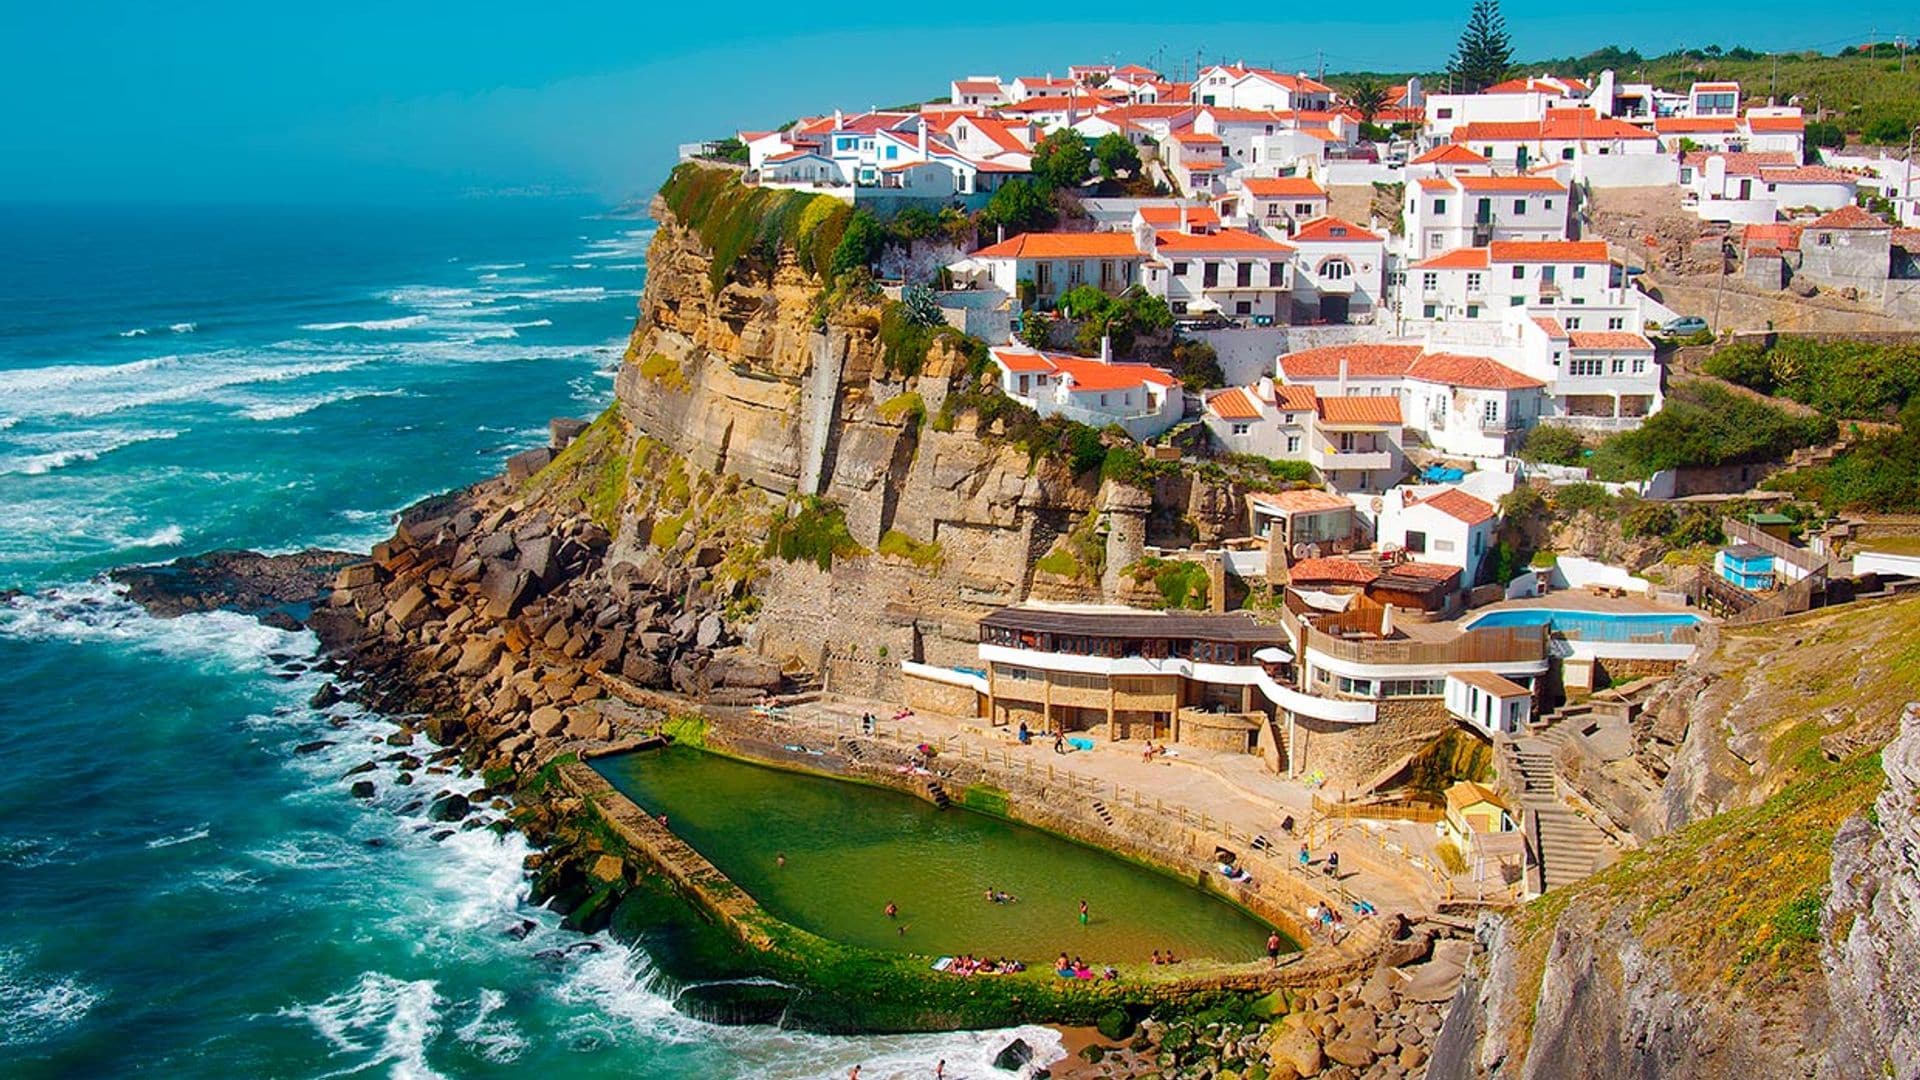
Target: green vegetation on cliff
[813, 530]
[593, 469]
[1181, 583]
[1847, 380]
[1704, 424]
[736, 221]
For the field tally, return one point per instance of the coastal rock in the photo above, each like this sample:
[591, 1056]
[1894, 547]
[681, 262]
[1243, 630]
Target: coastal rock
[244, 581]
[506, 590]
[547, 721]
[450, 807]
[411, 609]
[361, 789]
[477, 655]
[522, 466]
[1014, 1056]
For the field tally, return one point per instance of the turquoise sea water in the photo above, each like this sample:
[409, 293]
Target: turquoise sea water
[182, 893]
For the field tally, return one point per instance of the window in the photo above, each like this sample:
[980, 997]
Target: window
[1519, 272]
[1427, 311]
[1616, 322]
[1179, 307]
[1571, 322]
[1243, 307]
[1824, 239]
[1103, 400]
[1519, 206]
[1241, 429]
[1443, 114]
[1429, 281]
[1443, 545]
[1411, 687]
[1276, 274]
[1335, 269]
[1074, 272]
[1436, 241]
[1566, 153]
[1356, 687]
[1491, 412]
[1516, 301]
[1439, 206]
[1584, 366]
[1293, 444]
[1473, 281]
[1303, 209]
[1209, 274]
[1416, 541]
[1473, 311]
[1243, 275]
[1579, 272]
[1179, 269]
[1619, 365]
[1549, 204]
[1639, 365]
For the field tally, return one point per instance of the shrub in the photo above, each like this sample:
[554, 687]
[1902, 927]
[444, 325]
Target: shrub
[859, 245]
[1647, 519]
[1553, 446]
[909, 409]
[1573, 499]
[905, 342]
[1019, 206]
[898, 545]
[920, 306]
[1182, 584]
[1198, 365]
[1695, 528]
[815, 531]
[1704, 424]
[1062, 159]
[1114, 1024]
[1843, 379]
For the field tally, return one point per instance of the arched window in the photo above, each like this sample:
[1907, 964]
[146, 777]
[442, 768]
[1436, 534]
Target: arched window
[1335, 268]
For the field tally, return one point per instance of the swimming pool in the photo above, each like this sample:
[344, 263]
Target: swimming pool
[1593, 625]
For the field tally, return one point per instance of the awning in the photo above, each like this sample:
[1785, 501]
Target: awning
[1272, 655]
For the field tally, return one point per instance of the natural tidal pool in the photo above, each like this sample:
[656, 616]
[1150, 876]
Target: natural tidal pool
[850, 850]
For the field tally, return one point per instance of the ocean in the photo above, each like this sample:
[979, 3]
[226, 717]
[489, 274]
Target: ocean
[186, 887]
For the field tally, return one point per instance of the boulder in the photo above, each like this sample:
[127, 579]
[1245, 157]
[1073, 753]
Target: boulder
[411, 609]
[450, 807]
[562, 430]
[476, 656]
[1298, 1048]
[1014, 1056]
[607, 868]
[506, 591]
[522, 466]
[538, 557]
[743, 670]
[361, 789]
[709, 630]
[582, 724]
[547, 721]
[495, 546]
[357, 576]
[1350, 1052]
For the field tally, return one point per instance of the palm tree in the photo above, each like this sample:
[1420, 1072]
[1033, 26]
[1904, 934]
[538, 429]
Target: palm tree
[1368, 95]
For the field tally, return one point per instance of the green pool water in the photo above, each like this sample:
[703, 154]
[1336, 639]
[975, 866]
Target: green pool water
[851, 849]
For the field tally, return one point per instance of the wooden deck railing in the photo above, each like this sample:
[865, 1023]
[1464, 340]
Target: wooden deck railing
[1491, 645]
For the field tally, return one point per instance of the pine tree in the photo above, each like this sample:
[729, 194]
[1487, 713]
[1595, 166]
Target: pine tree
[1484, 53]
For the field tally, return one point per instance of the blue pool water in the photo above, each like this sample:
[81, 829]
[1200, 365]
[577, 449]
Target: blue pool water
[1592, 625]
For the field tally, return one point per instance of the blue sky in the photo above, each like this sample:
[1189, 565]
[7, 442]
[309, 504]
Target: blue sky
[361, 101]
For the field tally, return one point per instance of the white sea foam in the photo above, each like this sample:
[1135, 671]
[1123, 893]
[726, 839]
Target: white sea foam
[59, 450]
[99, 613]
[89, 391]
[402, 1016]
[198, 832]
[493, 1036]
[288, 408]
[34, 1007]
[499, 266]
[138, 331]
[183, 327]
[403, 323]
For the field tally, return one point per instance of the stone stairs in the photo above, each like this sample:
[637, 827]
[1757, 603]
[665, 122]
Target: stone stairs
[1567, 845]
[938, 795]
[1100, 811]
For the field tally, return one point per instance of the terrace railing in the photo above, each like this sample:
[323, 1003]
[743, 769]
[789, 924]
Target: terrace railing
[1490, 645]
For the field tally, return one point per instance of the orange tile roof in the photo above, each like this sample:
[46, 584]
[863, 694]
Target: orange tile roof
[1695, 125]
[1379, 409]
[1740, 162]
[1295, 398]
[1233, 403]
[1343, 571]
[976, 86]
[1716, 86]
[1467, 258]
[1020, 360]
[1551, 326]
[1780, 236]
[1559, 251]
[1226, 240]
[1301, 501]
[1776, 123]
[1428, 570]
[1093, 375]
[1806, 174]
[1280, 187]
[1460, 506]
[1534, 182]
[1363, 361]
[1436, 183]
[1062, 246]
[1609, 339]
[1333, 230]
[1196, 138]
[1477, 372]
[1559, 125]
[1848, 217]
[1161, 217]
[1450, 154]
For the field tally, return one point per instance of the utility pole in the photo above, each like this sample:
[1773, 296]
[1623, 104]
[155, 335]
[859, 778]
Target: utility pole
[1320, 58]
[1773, 81]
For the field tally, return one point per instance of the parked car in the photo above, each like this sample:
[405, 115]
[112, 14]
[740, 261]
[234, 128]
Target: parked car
[1684, 326]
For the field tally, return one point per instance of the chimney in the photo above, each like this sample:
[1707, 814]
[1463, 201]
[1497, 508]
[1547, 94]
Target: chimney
[1266, 388]
[1343, 377]
[1183, 217]
[1106, 349]
[923, 139]
[1000, 234]
[839, 120]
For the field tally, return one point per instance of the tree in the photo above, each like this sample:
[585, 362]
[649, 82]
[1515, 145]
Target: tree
[1020, 205]
[1484, 53]
[859, 245]
[1116, 155]
[1062, 160]
[1368, 95]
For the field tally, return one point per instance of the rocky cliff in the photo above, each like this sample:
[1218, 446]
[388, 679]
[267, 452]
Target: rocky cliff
[759, 380]
[1772, 931]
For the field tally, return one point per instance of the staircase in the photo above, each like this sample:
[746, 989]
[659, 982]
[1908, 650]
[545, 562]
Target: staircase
[1566, 846]
[1100, 811]
[938, 795]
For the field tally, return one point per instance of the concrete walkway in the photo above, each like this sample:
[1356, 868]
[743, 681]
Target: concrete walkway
[1234, 792]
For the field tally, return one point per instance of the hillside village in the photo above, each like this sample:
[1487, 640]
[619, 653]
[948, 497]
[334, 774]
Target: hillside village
[1391, 306]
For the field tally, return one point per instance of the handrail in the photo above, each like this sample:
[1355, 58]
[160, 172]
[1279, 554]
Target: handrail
[1488, 645]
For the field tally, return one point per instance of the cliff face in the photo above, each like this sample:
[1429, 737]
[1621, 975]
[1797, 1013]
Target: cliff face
[753, 382]
[1772, 932]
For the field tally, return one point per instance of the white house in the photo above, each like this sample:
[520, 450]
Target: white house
[1055, 263]
[1514, 101]
[1266, 419]
[1276, 204]
[1569, 135]
[1444, 525]
[1471, 406]
[1447, 159]
[1033, 86]
[1478, 282]
[1759, 187]
[1494, 704]
[1196, 162]
[1714, 99]
[1139, 397]
[1340, 271]
[982, 90]
[1240, 86]
[1600, 371]
[1464, 210]
[1228, 271]
[1354, 442]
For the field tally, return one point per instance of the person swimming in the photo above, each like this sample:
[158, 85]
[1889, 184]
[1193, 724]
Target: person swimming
[893, 910]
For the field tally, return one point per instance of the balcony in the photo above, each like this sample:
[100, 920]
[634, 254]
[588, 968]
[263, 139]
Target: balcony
[1328, 456]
